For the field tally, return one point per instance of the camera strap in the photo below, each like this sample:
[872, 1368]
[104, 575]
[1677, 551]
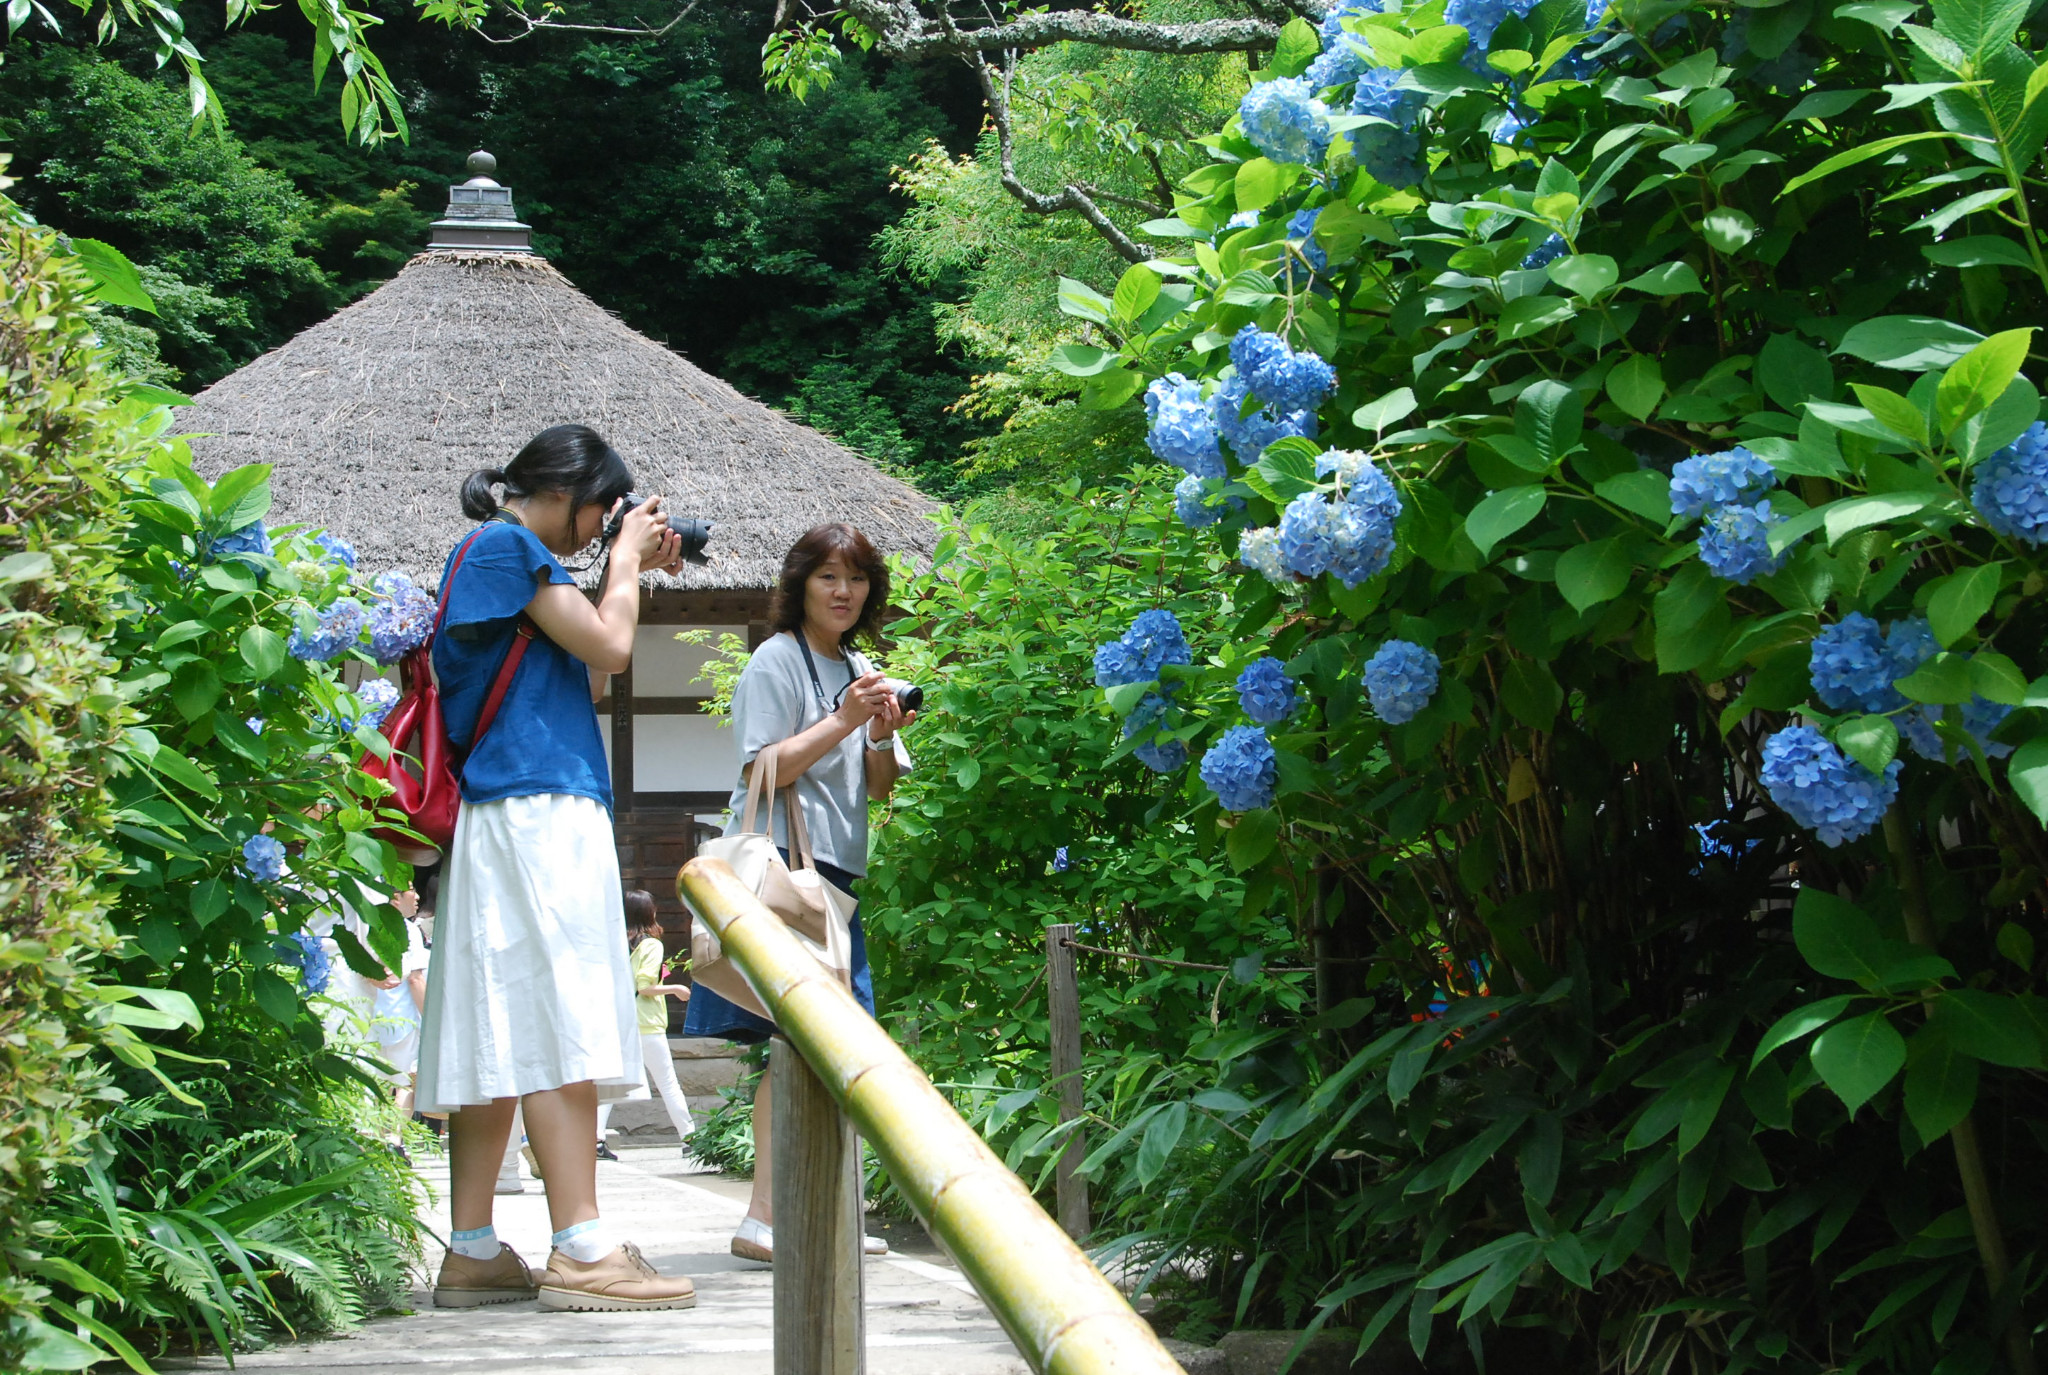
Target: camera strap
[803, 643]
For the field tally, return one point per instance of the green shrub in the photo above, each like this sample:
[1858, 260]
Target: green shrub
[63, 431]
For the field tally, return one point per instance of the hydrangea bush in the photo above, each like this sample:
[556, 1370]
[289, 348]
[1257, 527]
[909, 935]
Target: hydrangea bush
[1631, 417]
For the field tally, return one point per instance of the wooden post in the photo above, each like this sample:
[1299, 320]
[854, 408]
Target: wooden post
[818, 1280]
[622, 741]
[1063, 996]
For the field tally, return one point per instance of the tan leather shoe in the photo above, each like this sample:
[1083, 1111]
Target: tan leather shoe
[467, 1283]
[621, 1282]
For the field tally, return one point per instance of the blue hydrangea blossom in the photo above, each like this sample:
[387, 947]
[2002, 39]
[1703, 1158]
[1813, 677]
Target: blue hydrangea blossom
[1851, 666]
[1248, 435]
[401, 617]
[1259, 550]
[1706, 481]
[307, 955]
[1308, 534]
[338, 549]
[1480, 18]
[1392, 156]
[1735, 542]
[1822, 789]
[376, 696]
[263, 858]
[1163, 756]
[1399, 680]
[252, 538]
[1059, 860]
[1182, 428]
[1265, 692]
[1242, 769]
[1154, 639]
[1979, 716]
[1545, 253]
[1284, 121]
[1277, 375]
[337, 631]
[2010, 488]
[1301, 229]
[1341, 59]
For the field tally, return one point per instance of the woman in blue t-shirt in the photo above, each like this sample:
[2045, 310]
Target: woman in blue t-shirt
[529, 995]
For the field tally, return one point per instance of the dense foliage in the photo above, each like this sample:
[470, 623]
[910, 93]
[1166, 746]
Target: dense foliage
[1567, 381]
[62, 430]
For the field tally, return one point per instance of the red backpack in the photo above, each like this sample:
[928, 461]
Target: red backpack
[424, 770]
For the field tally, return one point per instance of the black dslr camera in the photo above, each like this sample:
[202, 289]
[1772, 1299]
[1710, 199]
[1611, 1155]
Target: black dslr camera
[694, 533]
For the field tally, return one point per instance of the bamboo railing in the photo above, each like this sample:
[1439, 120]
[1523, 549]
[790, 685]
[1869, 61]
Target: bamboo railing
[1062, 1314]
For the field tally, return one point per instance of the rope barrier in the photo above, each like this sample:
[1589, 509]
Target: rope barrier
[1184, 964]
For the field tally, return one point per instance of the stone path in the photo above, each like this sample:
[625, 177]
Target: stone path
[923, 1318]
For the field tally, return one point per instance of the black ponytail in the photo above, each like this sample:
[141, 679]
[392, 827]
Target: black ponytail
[478, 502]
[563, 458]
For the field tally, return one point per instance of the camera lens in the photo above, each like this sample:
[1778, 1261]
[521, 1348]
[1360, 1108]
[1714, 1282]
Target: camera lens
[694, 534]
[910, 697]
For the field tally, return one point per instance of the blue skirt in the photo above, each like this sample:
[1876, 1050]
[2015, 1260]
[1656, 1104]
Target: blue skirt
[711, 1015]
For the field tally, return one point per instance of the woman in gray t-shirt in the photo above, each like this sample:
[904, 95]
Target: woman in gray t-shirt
[808, 690]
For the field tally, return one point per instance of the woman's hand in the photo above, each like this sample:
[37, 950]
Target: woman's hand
[644, 536]
[890, 719]
[865, 697]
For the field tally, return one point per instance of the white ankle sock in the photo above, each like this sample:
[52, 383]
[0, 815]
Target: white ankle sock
[587, 1242]
[480, 1244]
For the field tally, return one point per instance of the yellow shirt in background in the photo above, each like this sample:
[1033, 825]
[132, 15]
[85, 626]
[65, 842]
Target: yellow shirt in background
[653, 1012]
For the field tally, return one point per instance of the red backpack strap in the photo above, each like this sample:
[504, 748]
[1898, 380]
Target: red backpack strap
[521, 638]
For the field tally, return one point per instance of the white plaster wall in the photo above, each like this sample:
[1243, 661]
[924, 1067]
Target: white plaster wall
[665, 667]
[679, 754]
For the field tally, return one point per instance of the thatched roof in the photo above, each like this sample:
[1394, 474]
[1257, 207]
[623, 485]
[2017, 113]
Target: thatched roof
[372, 418]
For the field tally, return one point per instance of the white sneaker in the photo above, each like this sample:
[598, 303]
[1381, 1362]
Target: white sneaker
[509, 1181]
[755, 1240]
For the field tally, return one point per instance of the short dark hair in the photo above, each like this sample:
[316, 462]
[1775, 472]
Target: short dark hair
[808, 555]
[639, 909]
[563, 458]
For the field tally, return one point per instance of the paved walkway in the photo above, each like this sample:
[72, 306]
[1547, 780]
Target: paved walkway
[923, 1318]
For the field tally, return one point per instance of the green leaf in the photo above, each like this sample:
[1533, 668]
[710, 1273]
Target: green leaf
[1253, 838]
[1112, 389]
[1260, 182]
[1910, 343]
[1800, 1023]
[1845, 518]
[262, 650]
[2009, 417]
[1589, 275]
[1124, 697]
[1636, 384]
[1162, 1133]
[2027, 772]
[1395, 406]
[1943, 680]
[1941, 1084]
[1136, 290]
[1979, 377]
[1692, 619]
[1667, 279]
[1837, 939]
[278, 999]
[1940, 220]
[1996, 678]
[1283, 474]
[1530, 692]
[1793, 372]
[1841, 161]
[1979, 250]
[1893, 411]
[1872, 741]
[1727, 230]
[182, 771]
[27, 566]
[1593, 573]
[115, 280]
[1295, 49]
[1550, 416]
[1858, 1057]
[1084, 360]
[1979, 27]
[1529, 315]
[1501, 515]
[1083, 301]
[1960, 601]
[1993, 1028]
[209, 900]
[1853, 419]
[1645, 492]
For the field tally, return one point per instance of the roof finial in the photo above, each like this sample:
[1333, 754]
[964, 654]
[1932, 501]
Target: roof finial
[480, 215]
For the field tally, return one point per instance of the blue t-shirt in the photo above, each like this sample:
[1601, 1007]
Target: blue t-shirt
[545, 737]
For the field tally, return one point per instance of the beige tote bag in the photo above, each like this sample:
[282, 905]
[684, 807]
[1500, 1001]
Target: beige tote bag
[818, 911]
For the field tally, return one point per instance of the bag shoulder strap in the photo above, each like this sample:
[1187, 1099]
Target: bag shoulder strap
[521, 638]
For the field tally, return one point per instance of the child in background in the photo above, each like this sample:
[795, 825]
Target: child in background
[643, 936]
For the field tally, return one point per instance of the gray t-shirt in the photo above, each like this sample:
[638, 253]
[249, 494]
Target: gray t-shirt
[774, 700]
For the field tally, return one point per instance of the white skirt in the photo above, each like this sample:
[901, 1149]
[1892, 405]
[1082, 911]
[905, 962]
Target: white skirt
[529, 985]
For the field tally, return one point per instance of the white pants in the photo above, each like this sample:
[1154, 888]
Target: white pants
[661, 1074]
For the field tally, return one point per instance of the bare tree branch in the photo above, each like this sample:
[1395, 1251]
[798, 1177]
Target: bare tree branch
[530, 25]
[903, 29]
[1073, 196]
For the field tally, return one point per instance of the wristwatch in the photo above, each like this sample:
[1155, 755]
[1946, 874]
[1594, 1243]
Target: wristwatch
[885, 744]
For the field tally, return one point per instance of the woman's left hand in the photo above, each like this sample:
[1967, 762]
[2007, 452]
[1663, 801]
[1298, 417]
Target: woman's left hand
[889, 717]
